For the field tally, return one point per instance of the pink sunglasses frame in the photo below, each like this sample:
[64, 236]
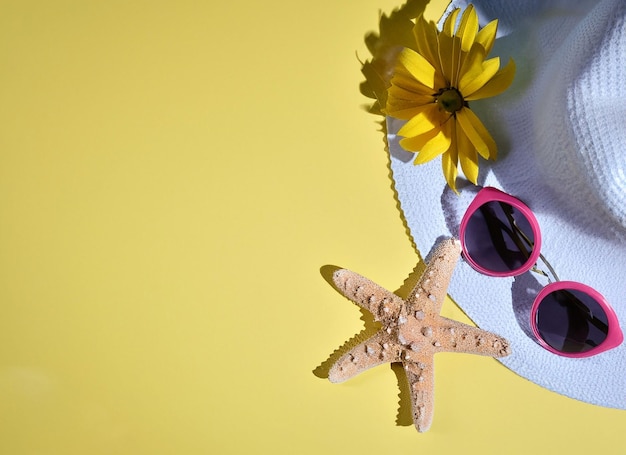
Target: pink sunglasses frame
[489, 194]
[614, 336]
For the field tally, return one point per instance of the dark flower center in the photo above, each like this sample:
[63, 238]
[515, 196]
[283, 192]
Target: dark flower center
[450, 100]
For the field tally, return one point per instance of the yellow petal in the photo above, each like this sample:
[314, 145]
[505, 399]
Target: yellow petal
[449, 169]
[472, 66]
[415, 144]
[489, 68]
[404, 104]
[487, 35]
[425, 34]
[449, 161]
[399, 95]
[422, 122]
[450, 22]
[437, 145]
[485, 135]
[467, 156]
[398, 104]
[403, 114]
[464, 38]
[418, 66]
[448, 48]
[426, 39]
[404, 80]
[468, 28]
[497, 84]
[477, 133]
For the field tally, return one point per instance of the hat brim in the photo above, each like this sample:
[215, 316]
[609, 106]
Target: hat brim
[579, 239]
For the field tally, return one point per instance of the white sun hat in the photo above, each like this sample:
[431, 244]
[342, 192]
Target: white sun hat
[561, 135]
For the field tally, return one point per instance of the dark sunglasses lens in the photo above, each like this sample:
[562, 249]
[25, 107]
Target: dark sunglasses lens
[571, 321]
[498, 237]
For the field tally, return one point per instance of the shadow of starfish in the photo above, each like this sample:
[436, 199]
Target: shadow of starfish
[412, 330]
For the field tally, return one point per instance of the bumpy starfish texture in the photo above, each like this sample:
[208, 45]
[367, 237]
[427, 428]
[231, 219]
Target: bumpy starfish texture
[412, 330]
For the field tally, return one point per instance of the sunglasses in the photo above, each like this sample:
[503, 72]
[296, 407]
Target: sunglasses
[500, 237]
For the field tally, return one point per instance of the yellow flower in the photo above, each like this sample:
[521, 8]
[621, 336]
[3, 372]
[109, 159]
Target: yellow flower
[433, 84]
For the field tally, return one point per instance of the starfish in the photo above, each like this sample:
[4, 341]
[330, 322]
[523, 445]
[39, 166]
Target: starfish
[412, 330]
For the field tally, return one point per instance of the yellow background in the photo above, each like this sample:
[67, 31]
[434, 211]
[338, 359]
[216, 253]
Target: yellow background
[173, 174]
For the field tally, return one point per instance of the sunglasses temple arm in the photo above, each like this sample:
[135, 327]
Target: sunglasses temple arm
[517, 235]
[582, 308]
[550, 268]
[530, 243]
[497, 227]
[599, 324]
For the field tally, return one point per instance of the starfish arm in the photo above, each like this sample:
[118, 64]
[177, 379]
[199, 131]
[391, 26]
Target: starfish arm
[385, 306]
[454, 336]
[421, 378]
[413, 330]
[434, 281]
[374, 351]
